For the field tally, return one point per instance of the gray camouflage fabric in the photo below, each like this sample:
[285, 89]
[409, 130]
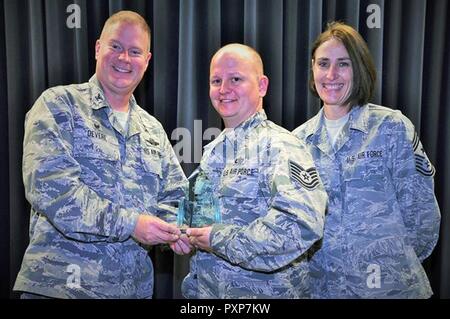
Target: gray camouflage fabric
[269, 219]
[87, 182]
[383, 218]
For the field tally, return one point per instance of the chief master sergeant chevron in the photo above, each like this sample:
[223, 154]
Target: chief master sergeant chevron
[100, 175]
[269, 195]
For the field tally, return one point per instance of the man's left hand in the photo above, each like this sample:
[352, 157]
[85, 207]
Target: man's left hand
[199, 237]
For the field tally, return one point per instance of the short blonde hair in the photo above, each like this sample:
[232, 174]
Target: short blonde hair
[130, 17]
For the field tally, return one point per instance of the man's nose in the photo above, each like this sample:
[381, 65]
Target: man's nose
[124, 56]
[224, 87]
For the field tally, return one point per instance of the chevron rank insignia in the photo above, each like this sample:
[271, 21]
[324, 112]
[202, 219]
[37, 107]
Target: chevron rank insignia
[308, 178]
[423, 165]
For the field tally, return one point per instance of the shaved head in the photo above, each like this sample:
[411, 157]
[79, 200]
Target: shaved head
[237, 83]
[243, 51]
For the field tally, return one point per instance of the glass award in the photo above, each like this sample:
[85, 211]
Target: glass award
[198, 213]
[184, 214]
[206, 213]
[204, 210]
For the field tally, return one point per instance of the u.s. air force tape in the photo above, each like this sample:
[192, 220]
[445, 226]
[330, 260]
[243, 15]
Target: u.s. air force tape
[308, 178]
[423, 165]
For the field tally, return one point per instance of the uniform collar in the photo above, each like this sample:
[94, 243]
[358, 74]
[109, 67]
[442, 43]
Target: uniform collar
[98, 98]
[99, 101]
[358, 120]
[316, 132]
[252, 121]
[134, 123]
[229, 135]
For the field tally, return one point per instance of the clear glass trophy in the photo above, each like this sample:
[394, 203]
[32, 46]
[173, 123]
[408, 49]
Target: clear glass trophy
[184, 214]
[204, 210]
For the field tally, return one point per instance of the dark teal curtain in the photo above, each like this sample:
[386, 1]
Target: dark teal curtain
[38, 50]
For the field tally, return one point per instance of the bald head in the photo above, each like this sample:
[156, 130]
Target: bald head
[126, 17]
[237, 84]
[243, 52]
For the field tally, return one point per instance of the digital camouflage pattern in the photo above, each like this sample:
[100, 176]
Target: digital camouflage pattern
[269, 219]
[383, 217]
[87, 182]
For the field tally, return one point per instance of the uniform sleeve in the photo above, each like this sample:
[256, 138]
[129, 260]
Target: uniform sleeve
[174, 184]
[413, 178]
[293, 223]
[52, 181]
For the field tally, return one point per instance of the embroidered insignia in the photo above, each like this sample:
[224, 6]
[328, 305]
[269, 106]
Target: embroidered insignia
[98, 97]
[308, 178]
[423, 165]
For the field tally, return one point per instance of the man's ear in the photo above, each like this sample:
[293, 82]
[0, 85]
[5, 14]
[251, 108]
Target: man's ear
[97, 48]
[149, 57]
[263, 85]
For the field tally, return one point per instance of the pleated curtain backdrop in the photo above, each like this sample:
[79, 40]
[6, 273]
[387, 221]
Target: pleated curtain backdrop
[43, 44]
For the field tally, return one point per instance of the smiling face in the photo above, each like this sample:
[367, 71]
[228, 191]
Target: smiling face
[122, 55]
[333, 73]
[237, 84]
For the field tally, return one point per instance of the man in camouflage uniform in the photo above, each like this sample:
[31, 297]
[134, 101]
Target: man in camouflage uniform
[271, 201]
[383, 218]
[100, 175]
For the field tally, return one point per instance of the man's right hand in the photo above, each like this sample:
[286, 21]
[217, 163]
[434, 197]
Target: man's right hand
[151, 230]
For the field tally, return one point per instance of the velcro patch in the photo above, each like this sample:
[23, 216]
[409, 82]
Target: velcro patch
[308, 178]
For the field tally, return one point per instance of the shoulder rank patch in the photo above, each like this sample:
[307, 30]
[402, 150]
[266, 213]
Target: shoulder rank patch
[423, 165]
[308, 178]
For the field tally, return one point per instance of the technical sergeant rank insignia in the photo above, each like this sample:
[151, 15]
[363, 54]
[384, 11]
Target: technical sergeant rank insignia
[308, 178]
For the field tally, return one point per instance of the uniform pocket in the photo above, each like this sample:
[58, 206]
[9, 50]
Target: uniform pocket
[95, 145]
[150, 177]
[366, 170]
[240, 199]
[99, 162]
[245, 287]
[365, 175]
[387, 267]
[151, 162]
[239, 187]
